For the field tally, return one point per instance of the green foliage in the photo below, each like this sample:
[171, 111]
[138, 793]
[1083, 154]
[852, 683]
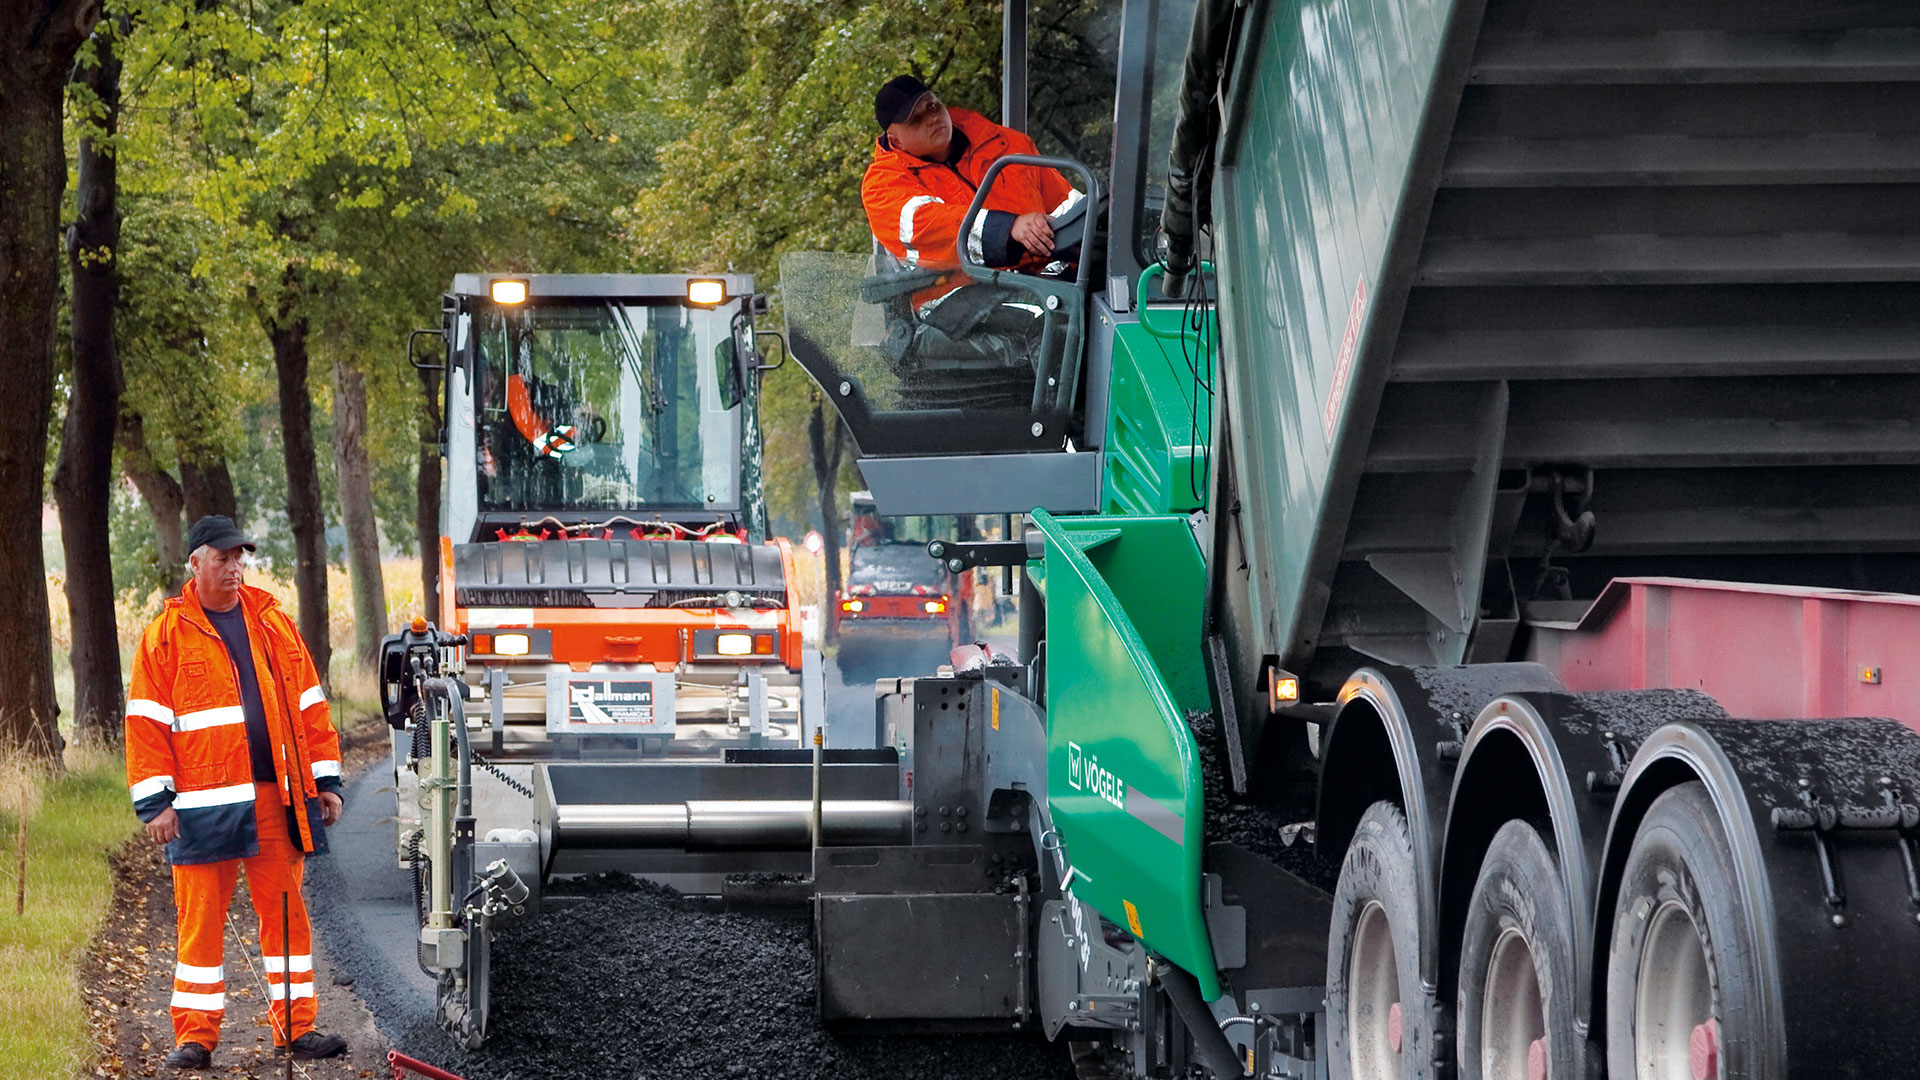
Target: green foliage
[136, 554]
[340, 160]
[769, 160]
[774, 129]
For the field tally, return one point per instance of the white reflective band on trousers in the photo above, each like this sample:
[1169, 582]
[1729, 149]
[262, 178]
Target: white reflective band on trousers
[300, 963]
[183, 999]
[193, 974]
[277, 992]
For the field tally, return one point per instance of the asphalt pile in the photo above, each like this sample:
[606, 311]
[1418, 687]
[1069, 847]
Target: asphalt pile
[641, 983]
[1268, 826]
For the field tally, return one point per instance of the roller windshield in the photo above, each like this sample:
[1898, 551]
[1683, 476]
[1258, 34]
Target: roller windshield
[606, 407]
[896, 569]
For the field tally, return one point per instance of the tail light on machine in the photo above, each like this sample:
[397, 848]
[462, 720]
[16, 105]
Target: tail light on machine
[735, 644]
[510, 644]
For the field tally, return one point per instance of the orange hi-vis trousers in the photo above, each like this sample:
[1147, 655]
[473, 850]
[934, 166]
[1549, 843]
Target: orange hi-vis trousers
[201, 895]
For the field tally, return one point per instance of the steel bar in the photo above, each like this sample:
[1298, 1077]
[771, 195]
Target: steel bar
[714, 825]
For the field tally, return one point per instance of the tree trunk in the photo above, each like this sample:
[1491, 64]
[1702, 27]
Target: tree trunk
[304, 512]
[426, 510]
[355, 474]
[208, 486]
[85, 468]
[36, 53]
[826, 452]
[159, 491]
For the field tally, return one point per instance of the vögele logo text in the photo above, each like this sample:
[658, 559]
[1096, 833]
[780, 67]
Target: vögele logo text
[1085, 774]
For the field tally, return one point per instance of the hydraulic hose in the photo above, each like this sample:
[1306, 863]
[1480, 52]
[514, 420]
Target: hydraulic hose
[1189, 205]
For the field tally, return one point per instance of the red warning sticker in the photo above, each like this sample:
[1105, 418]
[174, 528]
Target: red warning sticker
[1337, 393]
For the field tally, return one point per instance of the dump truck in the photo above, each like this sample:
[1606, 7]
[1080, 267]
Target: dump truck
[1511, 505]
[1470, 575]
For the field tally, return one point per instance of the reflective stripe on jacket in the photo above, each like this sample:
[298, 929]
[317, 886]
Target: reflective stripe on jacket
[187, 734]
[916, 207]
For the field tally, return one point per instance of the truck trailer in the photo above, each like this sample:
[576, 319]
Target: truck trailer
[1470, 574]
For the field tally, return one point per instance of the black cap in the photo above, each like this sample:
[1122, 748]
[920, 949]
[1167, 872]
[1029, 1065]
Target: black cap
[216, 531]
[895, 100]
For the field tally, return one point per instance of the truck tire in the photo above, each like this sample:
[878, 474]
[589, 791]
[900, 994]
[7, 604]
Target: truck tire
[1378, 1026]
[1516, 966]
[1681, 979]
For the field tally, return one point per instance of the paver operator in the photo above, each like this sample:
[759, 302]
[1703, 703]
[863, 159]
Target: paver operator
[232, 759]
[927, 165]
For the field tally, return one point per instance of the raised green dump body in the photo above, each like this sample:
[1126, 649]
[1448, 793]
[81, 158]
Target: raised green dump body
[1656, 256]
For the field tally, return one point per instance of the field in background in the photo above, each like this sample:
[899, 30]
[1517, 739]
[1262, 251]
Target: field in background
[400, 576]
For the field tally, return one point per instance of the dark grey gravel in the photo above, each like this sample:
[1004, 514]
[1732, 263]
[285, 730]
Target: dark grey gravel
[638, 982]
[1256, 826]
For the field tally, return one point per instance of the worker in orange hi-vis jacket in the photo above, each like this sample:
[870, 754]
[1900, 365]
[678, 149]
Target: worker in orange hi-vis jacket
[232, 760]
[927, 165]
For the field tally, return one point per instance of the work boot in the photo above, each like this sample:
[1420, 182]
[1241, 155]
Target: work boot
[313, 1045]
[189, 1055]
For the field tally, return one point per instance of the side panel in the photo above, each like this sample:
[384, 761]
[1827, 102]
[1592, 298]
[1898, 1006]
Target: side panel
[1315, 183]
[1159, 417]
[1763, 651]
[1123, 776]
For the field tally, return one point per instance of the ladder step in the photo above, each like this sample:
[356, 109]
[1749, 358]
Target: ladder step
[1696, 56]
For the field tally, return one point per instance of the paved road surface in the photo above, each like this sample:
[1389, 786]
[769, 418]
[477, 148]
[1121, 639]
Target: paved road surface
[362, 901]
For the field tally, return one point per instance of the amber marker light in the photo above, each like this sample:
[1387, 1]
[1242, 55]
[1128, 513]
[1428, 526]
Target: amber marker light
[508, 291]
[1283, 689]
[706, 292]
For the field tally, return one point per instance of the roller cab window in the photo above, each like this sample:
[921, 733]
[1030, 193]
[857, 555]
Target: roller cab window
[606, 406]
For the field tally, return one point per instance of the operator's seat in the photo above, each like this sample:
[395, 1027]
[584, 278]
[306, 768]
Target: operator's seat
[972, 348]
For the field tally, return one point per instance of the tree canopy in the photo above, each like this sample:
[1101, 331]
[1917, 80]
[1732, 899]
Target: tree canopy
[299, 181]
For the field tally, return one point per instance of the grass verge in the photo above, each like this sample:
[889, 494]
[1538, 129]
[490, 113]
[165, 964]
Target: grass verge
[73, 822]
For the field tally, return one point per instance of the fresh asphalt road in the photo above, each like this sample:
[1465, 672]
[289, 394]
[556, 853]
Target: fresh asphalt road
[362, 902]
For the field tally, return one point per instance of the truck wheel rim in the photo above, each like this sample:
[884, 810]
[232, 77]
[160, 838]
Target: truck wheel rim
[1513, 1019]
[1373, 988]
[1673, 998]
